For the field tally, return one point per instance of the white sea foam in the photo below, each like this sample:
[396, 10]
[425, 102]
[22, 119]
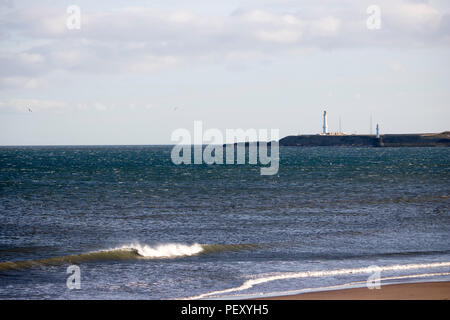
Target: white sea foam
[168, 250]
[323, 273]
[348, 285]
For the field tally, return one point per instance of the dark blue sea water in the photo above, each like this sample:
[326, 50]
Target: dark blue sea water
[140, 227]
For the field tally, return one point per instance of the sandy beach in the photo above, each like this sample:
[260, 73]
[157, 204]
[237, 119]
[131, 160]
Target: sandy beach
[408, 291]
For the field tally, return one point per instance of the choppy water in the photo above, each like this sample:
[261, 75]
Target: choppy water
[140, 227]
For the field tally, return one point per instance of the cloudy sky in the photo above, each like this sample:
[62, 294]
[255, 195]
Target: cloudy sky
[137, 70]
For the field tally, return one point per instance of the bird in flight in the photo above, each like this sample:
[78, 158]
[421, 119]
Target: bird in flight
[29, 109]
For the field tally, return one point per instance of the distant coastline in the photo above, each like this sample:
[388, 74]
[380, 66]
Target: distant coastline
[386, 140]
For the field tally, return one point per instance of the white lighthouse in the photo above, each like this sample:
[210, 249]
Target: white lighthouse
[378, 131]
[325, 126]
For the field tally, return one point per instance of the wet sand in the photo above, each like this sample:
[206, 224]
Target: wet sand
[407, 291]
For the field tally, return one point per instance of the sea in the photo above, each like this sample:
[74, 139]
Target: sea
[125, 222]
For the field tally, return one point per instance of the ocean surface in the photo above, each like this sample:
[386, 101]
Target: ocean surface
[140, 227]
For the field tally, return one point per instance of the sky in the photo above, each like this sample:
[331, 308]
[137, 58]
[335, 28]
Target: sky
[135, 71]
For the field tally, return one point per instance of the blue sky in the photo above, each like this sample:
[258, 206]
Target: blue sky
[137, 70]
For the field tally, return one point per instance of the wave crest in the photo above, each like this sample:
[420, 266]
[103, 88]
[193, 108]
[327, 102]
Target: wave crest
[127, 252]
[169, 250]
[131, 252]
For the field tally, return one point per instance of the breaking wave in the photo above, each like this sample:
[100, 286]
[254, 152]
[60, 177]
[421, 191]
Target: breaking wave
[169, 250]
[130, 252]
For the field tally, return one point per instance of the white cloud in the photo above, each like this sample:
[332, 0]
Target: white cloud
[396, 67]
[259, 16]
[37, 105]
[325, 27]
[146, 40]
[182, 17]
[22, 105]
[413, 17]
[280, 36]
[31, 58]
[68, 57]
[23, 82]
[149, 63]
[99, 106]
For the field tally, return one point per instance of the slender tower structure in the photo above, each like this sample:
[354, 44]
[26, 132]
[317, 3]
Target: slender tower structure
[325, 126]
[378, 131]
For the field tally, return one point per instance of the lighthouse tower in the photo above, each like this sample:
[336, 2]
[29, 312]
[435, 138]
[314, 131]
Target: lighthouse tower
[325, 126]
[378, 131]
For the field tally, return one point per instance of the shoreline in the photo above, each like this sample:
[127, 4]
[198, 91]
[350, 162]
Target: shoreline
[439, 290]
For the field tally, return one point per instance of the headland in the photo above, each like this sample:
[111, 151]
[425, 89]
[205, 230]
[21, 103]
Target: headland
[385, 140]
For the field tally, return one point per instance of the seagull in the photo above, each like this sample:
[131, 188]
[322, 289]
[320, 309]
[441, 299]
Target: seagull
[29, 109]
